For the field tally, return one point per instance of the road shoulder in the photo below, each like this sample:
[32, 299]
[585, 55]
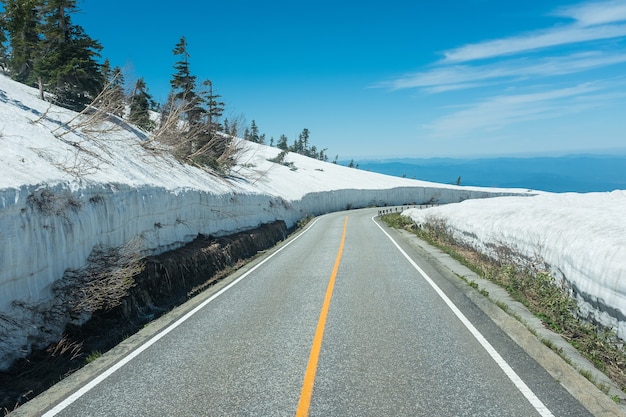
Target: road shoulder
[520, 325]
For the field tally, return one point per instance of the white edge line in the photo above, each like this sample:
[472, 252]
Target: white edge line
[104, 375]
[517, 381]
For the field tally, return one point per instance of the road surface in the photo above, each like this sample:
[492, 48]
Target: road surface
[337, 321]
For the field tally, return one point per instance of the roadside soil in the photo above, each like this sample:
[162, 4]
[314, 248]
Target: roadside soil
[168, 280]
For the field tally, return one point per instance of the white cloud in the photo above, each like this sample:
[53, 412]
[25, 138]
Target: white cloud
[592, 21]
[442, 88]
[456, 77]
[534, 41]
[500, 111]
[596, 13]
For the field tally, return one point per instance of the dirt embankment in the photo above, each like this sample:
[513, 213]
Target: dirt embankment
[167, 280]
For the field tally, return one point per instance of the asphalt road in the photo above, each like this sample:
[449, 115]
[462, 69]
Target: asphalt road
[367, 326]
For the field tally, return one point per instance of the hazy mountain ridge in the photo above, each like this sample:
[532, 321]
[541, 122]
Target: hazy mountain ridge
[572, 173]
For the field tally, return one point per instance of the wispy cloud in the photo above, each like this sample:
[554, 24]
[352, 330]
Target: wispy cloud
[596, 13]
[500, 111]
[455, 77]
[592, 21]
[538, 40]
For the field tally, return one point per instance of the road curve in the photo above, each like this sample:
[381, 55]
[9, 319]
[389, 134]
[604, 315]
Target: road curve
[348, 301]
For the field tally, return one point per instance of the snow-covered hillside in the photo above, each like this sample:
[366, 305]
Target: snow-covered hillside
[582, 237]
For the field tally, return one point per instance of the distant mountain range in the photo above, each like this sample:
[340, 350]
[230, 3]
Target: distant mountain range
[576, 173]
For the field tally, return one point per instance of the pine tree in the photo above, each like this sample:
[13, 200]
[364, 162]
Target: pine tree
[21, 20]
[114, 99]
[140, 102]
[282, 143]
[66, 57]
[196, 140]
[253, 135]
[3, 40]
[184, 84]
[214, 108]
[304, 142]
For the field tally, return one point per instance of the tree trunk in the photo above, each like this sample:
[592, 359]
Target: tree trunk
[40, 82]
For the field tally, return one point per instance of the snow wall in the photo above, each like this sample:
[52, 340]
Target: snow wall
[580, 237]
[46, 230]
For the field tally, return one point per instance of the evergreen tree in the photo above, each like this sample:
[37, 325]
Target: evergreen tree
[184, 84]
[21, 20]
[301, 146]
[298, 146]
[66, 57]
[253, 134]
[114, 99]
[3, 40]
[140, 103]
[231, 128]
[214, 108]
[196, 140]
[304, 142]
[282, 143]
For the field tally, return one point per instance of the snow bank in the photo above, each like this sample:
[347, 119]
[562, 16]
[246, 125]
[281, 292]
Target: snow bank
[581, 236]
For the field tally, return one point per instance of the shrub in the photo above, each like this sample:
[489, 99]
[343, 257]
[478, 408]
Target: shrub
[104, 282]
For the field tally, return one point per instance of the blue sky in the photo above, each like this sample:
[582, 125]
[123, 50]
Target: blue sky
[462, 78]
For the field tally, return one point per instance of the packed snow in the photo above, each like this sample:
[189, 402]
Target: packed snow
[581, 237]
[67, 188]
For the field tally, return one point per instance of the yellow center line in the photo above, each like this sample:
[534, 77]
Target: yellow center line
[311, 368]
